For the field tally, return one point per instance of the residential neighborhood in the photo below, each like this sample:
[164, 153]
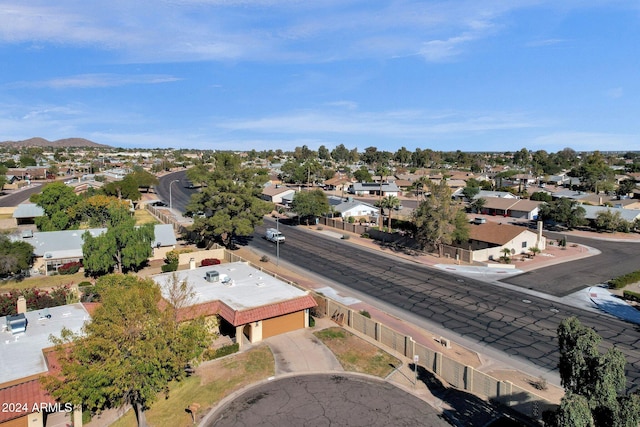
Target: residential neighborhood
[248, 301]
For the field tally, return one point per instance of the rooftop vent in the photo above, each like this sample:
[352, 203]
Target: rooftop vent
[26, 234]
[17, 323]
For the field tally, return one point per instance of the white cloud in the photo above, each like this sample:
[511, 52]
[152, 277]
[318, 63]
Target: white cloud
[85, 81]
[587, 141]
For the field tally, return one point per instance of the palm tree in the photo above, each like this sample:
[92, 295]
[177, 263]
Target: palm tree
[505, 257]
[534, 251]
[390, 202]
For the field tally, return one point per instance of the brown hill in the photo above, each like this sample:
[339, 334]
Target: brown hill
[41, 142]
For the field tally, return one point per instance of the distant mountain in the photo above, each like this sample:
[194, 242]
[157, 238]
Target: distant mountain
[41, 142]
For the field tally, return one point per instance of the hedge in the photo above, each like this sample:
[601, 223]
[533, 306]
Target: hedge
[622, 281]
[211, 354]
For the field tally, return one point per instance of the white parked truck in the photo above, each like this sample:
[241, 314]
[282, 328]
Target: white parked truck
[274, 235]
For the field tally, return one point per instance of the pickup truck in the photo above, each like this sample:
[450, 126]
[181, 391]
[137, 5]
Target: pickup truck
[274, 235]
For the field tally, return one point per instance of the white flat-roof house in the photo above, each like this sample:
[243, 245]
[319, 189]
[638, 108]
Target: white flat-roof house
[24, 356]
[255, 304]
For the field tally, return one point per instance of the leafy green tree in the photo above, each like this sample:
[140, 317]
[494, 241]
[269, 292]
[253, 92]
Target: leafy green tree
[363, 175]
[563, 211]
[55, 199]
[94, 211]
[541, 196]
[340, 154]
[607, 220]
[626, 186]
[595, 173]
[14, 256]
[310, 204]
[593, 381]
[478, 204]
[144, 179]
[436, 218]
[123, 246]
[26, 160]
[127, 188]
[230, 204]
[323, 153]
[470, 192]
[3, 176]
[129, 351]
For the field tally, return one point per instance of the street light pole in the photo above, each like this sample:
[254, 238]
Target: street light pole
[170, 201]
[278, 243]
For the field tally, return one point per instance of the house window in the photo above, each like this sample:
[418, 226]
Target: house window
[524, 244]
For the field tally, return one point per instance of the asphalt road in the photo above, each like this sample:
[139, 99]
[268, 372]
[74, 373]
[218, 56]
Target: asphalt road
[14, 198]
[179, 196]
[503, 320]
[616, 259]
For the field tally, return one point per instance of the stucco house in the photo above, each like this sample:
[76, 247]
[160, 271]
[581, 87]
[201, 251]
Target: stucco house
[488, 240]
[248, 301]
[55, 248]
[349, 207]
[276, 194]
[374, 189]
[509, 207]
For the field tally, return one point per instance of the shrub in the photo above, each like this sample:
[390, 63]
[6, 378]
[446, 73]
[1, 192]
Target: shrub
[36, 299]
[169, 267]
[312, 322]
[365, 236]
[264, 258]
[211, 354]
[209, 261]
[631, 296]
[365, 313]
[70, 268]
[622, 281]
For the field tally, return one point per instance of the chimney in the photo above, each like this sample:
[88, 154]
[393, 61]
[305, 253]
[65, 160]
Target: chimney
[22, 305]
[539, 239]
[192, 264]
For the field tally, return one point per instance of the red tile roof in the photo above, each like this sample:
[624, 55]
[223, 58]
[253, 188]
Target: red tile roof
[25, 396]
[237, 318]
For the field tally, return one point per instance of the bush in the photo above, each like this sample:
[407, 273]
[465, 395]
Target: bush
[70, 268]
[631, 296]
[622, 281]
[169, 267]
[365, 313]
[264, 258]
[36, 299]
[211, 354]
[312, 322]
[365, 236]
[209, 261]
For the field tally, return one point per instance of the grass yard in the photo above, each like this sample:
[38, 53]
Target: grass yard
[143, 216]
[213, 381]
[44, 281]
[356, 354]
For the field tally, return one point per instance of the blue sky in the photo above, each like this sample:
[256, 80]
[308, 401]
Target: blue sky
[265, 74]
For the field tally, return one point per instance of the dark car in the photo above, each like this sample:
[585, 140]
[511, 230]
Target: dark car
[159, 203]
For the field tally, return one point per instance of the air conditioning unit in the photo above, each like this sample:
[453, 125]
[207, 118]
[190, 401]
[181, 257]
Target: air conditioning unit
[212, 276]
[48, 255]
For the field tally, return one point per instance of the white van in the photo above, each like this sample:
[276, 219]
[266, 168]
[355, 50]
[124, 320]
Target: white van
[274, 235]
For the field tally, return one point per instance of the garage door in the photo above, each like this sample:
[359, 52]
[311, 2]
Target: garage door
[282, 324]
[17, 422]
